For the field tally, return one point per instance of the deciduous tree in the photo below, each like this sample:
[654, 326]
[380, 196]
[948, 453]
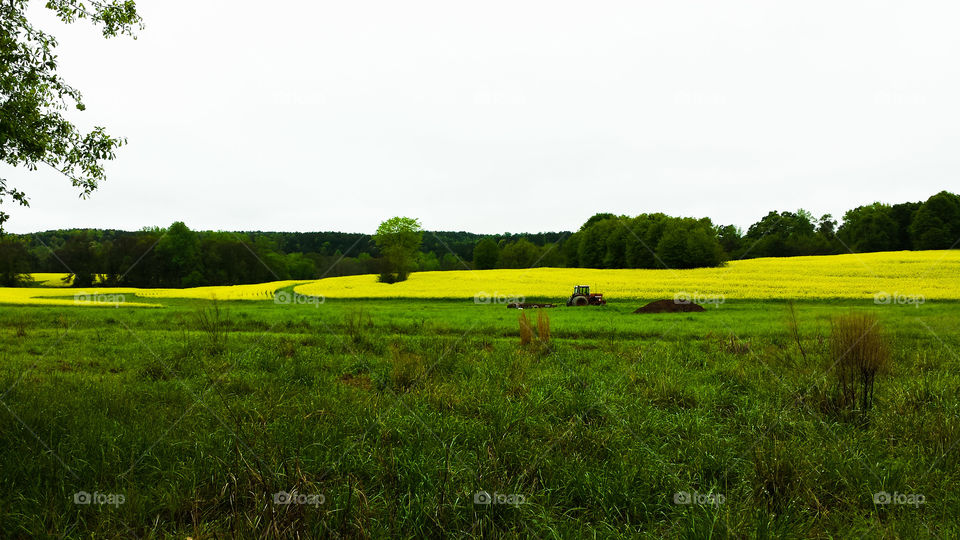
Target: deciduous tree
[34, 98]
[398, 239]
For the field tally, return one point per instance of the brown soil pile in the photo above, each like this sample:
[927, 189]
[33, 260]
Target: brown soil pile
[669, 306]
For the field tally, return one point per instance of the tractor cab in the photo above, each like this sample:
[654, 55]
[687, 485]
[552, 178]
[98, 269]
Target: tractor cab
[583, 297]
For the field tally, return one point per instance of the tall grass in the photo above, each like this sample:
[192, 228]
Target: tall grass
[543, 326]
[21, 330]
[526, 331]
[859, 352]
[400, 436]
[795, 329]
[357, 324]
[210, 320]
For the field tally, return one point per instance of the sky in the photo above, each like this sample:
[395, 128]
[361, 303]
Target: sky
[505, 116]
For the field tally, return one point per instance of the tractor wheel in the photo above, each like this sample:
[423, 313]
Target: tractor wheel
[581, 301]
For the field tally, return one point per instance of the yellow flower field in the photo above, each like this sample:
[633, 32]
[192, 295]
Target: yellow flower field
[889, 276]
[255, 291]
[49, 279]
[126, 296]
[930, 274]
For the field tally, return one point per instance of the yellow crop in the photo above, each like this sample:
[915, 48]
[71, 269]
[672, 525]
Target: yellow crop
[887, 275]
[255, 291]
[43, 279]
[127, 296]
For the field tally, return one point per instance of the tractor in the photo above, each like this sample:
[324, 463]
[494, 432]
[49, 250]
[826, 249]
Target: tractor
[582, 297]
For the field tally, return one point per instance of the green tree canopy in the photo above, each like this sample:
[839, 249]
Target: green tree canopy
[936, 224]
[486, 254]
[643, 236]
[593, 241]
[520, 254]
[398, 239]
[179, 249]
[729, 237]
[785, 234]
[689, 243]
[14, 261]
[596, 218]
[34, 98]
[869, 228]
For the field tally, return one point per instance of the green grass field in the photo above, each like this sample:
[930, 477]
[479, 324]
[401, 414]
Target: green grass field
[386, 418]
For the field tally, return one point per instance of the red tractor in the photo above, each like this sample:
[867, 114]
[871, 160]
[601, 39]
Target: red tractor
[582, 297]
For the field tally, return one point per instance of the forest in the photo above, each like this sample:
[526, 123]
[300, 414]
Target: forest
[177, 256]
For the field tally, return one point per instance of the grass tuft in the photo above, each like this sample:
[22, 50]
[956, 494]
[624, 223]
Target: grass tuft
[543, 326]
[210, 320]
[21, 330]
[526, 331]
[357, 324]
[859, 352]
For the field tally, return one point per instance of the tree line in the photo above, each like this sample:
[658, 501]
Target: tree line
[661, 241]
[180, 257]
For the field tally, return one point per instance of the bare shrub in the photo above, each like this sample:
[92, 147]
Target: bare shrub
[859, 352]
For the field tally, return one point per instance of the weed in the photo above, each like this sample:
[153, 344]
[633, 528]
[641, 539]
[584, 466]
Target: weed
[542, 334]
[543, 326]
[735, 345]
[795, 329]
[287, 347]
[21, 330]
[407, 368]
[859, 352]
[776, 473]
[210, 320]
[357, 324]
[526, 331]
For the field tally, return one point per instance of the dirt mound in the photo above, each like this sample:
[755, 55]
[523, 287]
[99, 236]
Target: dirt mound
[670, 306]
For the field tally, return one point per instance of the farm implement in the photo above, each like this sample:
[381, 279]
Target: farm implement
[581, 297]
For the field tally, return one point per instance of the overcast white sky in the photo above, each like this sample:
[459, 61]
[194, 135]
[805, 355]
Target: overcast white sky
[507, 116]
